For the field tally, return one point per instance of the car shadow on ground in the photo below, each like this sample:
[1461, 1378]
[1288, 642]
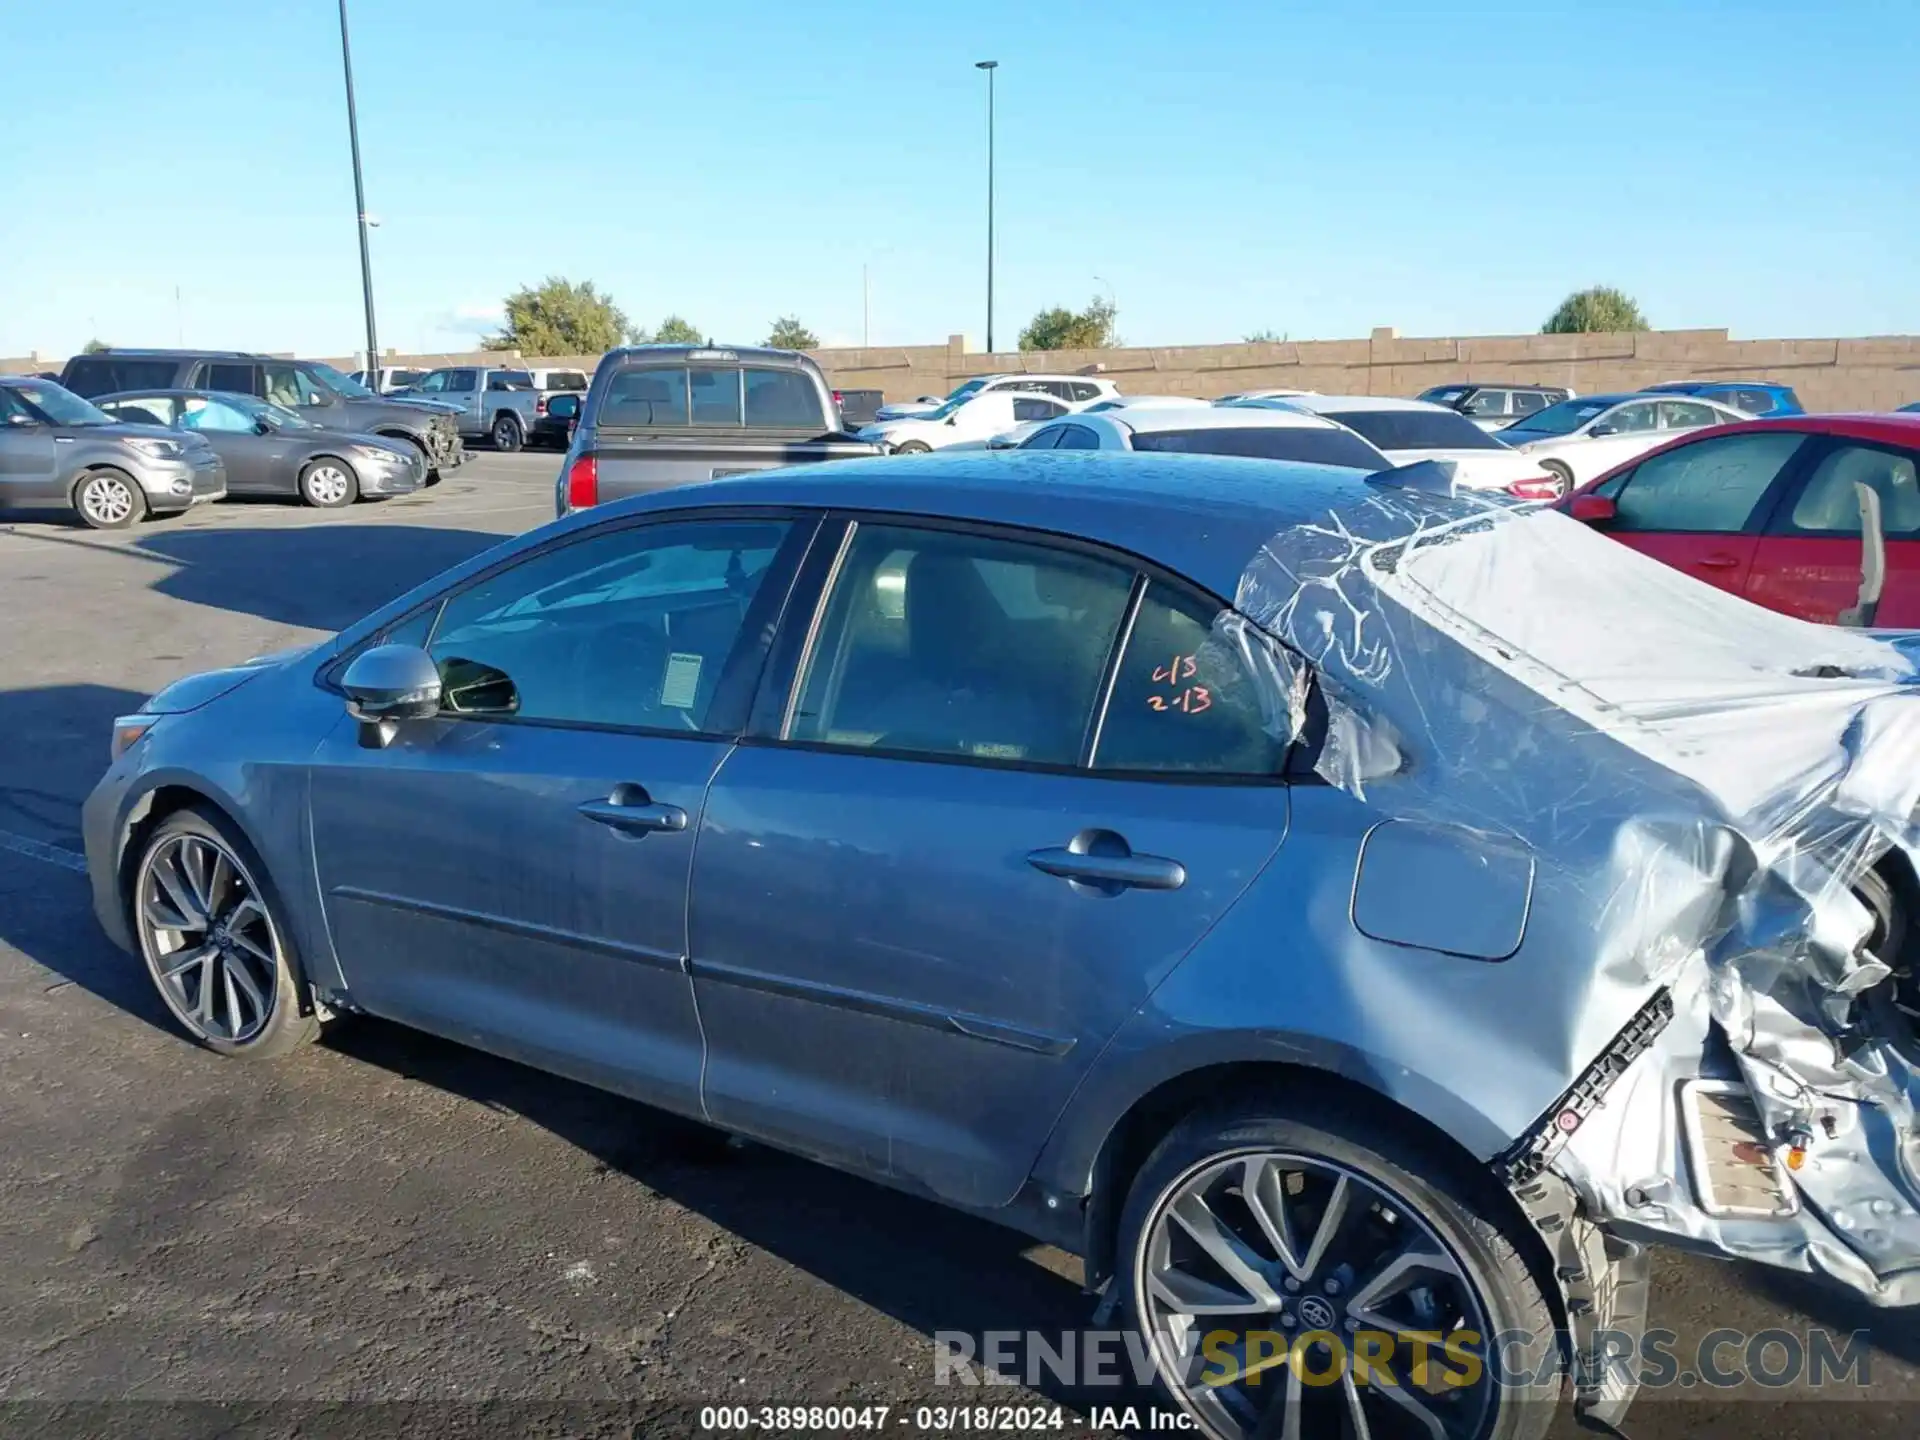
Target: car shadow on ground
[322, 576]
[928, 1267]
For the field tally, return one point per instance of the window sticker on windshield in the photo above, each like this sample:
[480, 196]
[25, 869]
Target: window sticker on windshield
[681, 682]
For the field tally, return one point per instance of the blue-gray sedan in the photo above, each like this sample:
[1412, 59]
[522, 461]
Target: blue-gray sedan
[1220, 868]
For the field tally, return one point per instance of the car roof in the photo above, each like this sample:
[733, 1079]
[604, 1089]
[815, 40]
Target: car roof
[1202, 516]
[1210, 417]
[1497, 385]
[1344, 404]
[756, 353]
[1672, 386]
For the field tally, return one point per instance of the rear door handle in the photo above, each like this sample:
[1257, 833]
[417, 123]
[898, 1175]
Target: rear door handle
[1102, 861]
[632, 810]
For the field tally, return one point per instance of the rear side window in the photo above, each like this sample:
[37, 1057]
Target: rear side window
[1078, 390]
[783, 400]
[1310, 445]
[1027, 409]
[1418, 430]
[1049, 437]
[1184, 699]
[1830, 504]
[1076, 437]
[509, 380]
[145, 410]
[1710, 487]
[234, 379]
[104, 374]
[646, 398]
[1525, 402]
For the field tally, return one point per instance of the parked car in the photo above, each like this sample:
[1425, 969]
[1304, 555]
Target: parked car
[269, 450]
[975, 420]
[311, 389]
[549, 379]
[1495, 406]
[1577, 440]
[1073, 390]
[1770, 510]
[1907, 408]
[857, 814]
[58, 452]
[497, 404]
[385, 380]
[1752, 397]
[1212, 430]
[554, 418]
[858, 407]
[1128, 402]
[1271, 392]
[661, 415]
[1408, 431]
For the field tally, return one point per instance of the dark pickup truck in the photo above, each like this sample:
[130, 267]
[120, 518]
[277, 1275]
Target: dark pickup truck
[660, 415]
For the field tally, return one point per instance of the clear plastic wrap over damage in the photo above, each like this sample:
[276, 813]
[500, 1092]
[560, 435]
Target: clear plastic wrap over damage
[1721, 781]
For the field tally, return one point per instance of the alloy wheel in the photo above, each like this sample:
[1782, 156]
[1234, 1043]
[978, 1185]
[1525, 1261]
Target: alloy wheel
[107, 500]
[1262, 1280]
[208, 938]
[327, 484]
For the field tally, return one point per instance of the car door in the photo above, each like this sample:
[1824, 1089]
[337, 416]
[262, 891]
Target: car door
[1699, 506]
[256, 464]
[1809, 561]
[513, 873]
[918, 911]
[1674, 415]
[29, 459]
[463, 389]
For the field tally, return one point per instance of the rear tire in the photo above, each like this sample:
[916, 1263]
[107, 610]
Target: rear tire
[913, 447]
[1388, 1235]
[328, 483]
[109, 499]
[1561, 474]
[506, 434]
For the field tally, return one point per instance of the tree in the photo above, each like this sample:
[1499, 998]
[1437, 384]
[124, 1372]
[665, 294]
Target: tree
[789, 334]
[559, 318]
[94, 347]
[676, 331]
[1062, 329]
[1595, 309]
[1265, 337]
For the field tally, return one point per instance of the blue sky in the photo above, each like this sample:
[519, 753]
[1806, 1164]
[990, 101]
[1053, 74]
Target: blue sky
[1222, 168]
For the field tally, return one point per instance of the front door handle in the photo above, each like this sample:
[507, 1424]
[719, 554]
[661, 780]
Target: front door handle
[1717, 562]
[632, 810]
[1101, 862]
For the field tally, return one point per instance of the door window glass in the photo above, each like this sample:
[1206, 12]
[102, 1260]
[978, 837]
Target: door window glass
[509, 380]
[1046, 439]
[234, 379]
[1082, 390]
[1487, 403]
[1711, 486]
[1686, 415]
[1077, 437]
[1032, 407]
[783, 400]
[1185, 700]
[1830, 504]
[1631, 419]
[964, 645]
[199, 413]
[630, 627]
[459, 382]
[646, 398]
[433, 383]
[287, 386]
[716, 396]
[143, 410]
[1525, 402]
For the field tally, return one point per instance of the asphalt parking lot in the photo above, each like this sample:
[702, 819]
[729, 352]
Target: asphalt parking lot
[391, 1234]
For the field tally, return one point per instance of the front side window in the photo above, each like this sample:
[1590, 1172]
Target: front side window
[1186, 698]
[1027, 408]
[459, 382]
[645, 399]
[1709, 487]
[1487, 403]
[630, 627]
[1632, 419]
[200, 413]
[287, 385]
[960, 645]
[1830, 503]
[432, 383]
[782, 400]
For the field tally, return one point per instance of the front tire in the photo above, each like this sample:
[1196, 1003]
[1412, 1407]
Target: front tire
[913, 447]
[109, 499]
[1253, 1238]
[506, 434]
[215, 939]
[328, 484]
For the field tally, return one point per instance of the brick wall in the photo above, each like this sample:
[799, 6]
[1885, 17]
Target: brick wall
[1868, 373]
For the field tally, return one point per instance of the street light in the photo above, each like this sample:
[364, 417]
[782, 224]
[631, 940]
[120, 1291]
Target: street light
[989, 66]
[359, 196]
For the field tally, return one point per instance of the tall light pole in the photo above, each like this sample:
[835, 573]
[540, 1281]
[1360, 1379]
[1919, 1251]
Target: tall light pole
[359, 195]
[989, 66]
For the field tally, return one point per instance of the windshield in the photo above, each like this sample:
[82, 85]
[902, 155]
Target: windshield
[60, 406]
[1394, 430]
[1447, 395]
[1562, 419]
[340, 384]
[963, 392]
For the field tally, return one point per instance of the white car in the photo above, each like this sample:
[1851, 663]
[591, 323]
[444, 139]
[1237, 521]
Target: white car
[1257, 431]
[976, 418]
[1578, 439]
[1074, 390]
[1013, 439]
[1270, 393]
[388, 378]
[557, 379]
[1408, 431]
[1129, 402]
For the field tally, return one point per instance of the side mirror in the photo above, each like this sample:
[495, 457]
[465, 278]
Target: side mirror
[263, 427]
[1592, 509]
[18, 421]
[388, 684]
[1600, 432]
[953, 419]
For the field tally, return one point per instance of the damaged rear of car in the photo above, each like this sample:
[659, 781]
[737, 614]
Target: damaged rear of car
[1601, 873]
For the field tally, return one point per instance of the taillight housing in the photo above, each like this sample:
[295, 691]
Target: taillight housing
[583, 483]
[540, 406]
[1537, 487]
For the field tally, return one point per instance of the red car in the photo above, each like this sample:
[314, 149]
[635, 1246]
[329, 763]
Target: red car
[1770, 510]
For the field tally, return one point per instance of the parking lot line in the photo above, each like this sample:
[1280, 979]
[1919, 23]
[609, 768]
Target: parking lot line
[39, 850]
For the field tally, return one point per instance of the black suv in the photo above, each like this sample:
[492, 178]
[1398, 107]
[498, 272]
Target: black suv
[1496, 404]
[317, 391]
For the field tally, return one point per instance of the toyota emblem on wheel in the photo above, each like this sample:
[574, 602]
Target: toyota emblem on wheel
[1316, 1314]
